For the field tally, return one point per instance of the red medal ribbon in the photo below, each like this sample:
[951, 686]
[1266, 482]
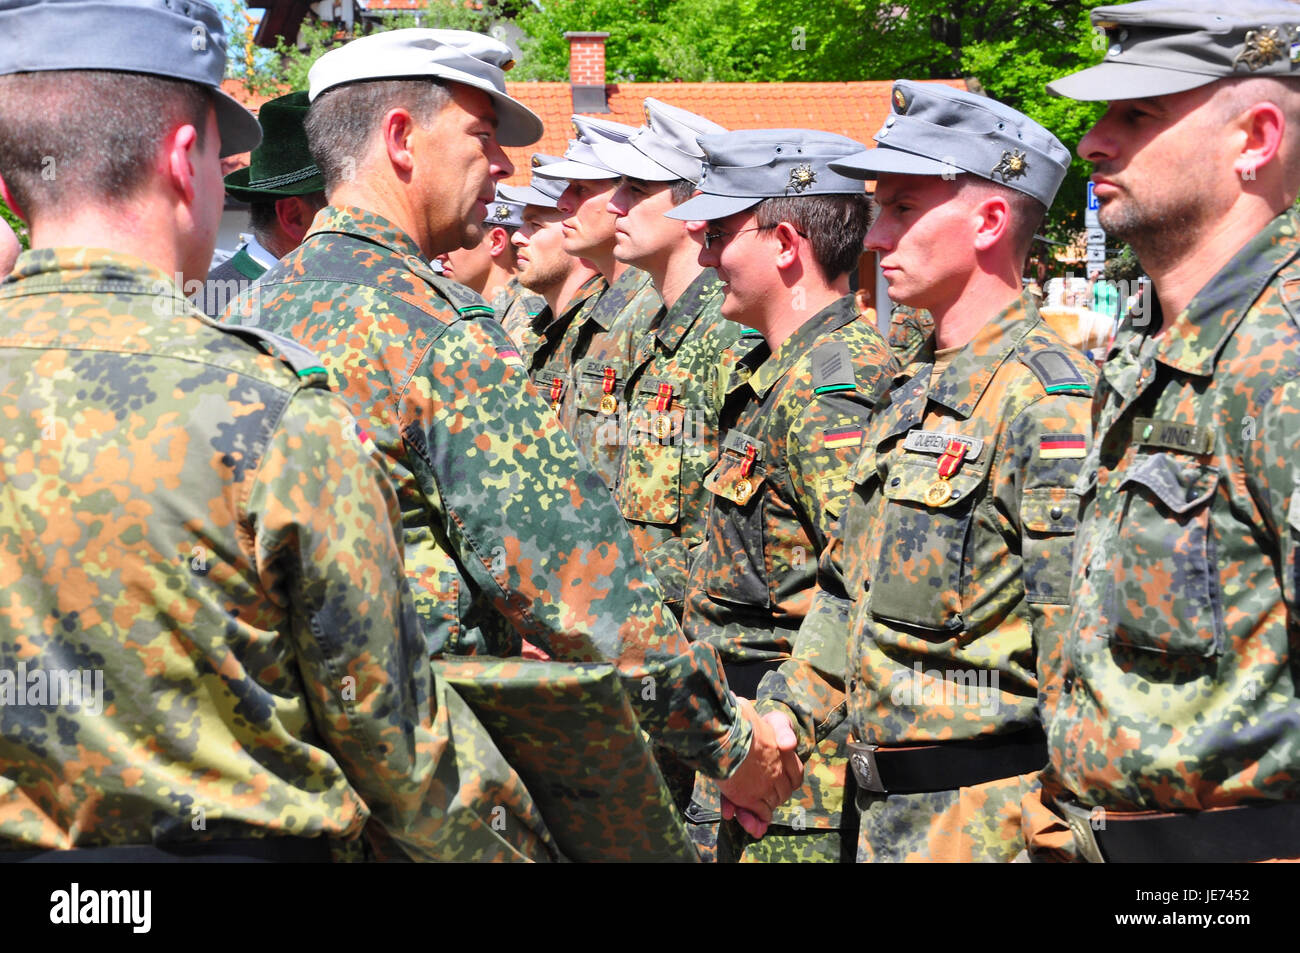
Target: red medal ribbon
[953, 454]
[665, 397]
[557, 387]
[747, 465]
[609, 380]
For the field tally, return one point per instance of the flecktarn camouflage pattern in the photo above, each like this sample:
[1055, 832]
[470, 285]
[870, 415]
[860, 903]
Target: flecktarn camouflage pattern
[949, 577]
[793, 427]
[571, 732]
[198, 537]
[509, 534]
[1179, 663]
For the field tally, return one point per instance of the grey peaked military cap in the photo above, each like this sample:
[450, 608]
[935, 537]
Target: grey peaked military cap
[665, 149]
[505, 211]
[540, 191]
[580, 160]
[744, 167]
[456, 56]
[176, 39]
[1158, 47]
[937, 130]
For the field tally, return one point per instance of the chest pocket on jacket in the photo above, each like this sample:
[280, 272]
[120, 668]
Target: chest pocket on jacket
[736, 567]
[921, 569]
[552, 382]
[595, 396]
[651, 487]
[1165, 594]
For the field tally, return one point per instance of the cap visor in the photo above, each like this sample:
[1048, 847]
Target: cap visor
[1111, 81]
[871, 162]
[568, 169]
[526, 195]
[706, 208]
[237, 126]
[517, 125]
[632, 162]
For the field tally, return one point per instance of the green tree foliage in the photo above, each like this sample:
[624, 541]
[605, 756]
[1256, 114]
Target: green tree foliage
[16, 224]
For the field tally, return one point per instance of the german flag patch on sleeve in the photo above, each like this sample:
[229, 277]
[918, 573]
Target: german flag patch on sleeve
[1057, 446]
[833, 438]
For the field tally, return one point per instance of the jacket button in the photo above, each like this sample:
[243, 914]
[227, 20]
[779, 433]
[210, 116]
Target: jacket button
[1057, 513]
[895, 481]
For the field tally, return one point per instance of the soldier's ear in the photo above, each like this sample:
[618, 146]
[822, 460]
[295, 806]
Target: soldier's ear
[991, 219]
[180, 161]
[397, 127]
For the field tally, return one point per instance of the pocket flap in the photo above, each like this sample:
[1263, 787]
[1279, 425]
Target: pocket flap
[1049, 509]
[728, 479]
[1179, 483]
[911, 482]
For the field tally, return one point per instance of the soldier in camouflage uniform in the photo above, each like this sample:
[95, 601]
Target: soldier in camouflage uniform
[948, 575]
[208, 649]
[784, 233]
[609, 329]
[508, 536]
[488, 267]
[653, 422]
[556, 282]
[1177, 736]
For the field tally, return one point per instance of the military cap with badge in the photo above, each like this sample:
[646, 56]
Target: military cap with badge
[665, 149]
[1159, 47]
[934, 129]
[580, 160]
[742, 168]
[540, 190]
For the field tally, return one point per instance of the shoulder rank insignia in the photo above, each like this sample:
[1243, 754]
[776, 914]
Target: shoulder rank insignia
[1263, 46]
[1012, 165]
[1056, 373]
[832, 368]
[801, 177]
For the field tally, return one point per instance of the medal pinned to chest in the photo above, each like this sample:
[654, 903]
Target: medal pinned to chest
[940, 491]
[743, 487]
[608, 402]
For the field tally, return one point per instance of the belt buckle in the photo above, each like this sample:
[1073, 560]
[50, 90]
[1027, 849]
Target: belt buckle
[1080, 820]
[862, 761]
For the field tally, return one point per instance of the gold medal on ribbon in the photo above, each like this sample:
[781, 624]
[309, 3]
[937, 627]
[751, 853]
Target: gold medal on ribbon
[939, 493]
[663, 426]
[740, 492]
[608, 404]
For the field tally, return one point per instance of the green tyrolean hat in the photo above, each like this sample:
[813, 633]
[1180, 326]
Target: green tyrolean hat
[282, 165]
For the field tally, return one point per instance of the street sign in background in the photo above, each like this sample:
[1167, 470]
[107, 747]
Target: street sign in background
[1094, 236]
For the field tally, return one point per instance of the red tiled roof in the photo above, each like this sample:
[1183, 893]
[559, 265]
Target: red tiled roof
[856, 110]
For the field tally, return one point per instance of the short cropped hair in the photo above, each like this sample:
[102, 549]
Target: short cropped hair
[1027, 212]
[681, 189]
[69, 137]
[835, 226]
[343, 119]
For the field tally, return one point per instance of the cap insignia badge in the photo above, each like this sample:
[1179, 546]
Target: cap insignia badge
[1012, 165]
[1263, 46]
[536, 161]
[501, 213]
[801, 178]
[900, 101]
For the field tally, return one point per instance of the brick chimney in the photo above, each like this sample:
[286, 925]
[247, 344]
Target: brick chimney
[587, 71]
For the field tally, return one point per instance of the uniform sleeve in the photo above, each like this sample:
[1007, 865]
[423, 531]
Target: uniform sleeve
[809, 686]
[537, 530]
[323, 519]
[1273, 469]
[820, 448]
[1045, 452]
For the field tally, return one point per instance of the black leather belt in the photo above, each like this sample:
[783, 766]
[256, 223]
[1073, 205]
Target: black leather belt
[948, 765]
[743, 677]
[1260, 830]
[284, 850]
